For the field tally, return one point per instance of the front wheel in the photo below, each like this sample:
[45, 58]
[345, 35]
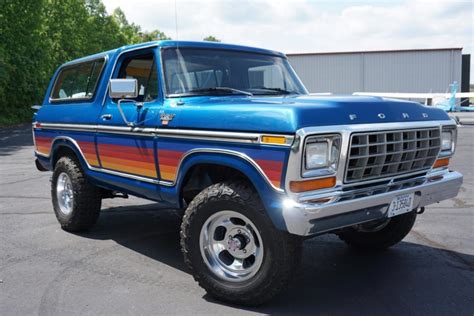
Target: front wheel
[232, 247]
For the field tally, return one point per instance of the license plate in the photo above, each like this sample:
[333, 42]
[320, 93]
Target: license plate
[401, 204]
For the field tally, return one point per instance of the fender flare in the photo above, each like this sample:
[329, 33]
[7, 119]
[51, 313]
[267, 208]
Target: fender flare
[270, 195]
[70, 143]
[189, 160]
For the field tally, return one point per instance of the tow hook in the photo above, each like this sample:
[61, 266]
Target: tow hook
[421, 210]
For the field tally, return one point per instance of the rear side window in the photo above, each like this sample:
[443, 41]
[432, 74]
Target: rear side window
[77, 82]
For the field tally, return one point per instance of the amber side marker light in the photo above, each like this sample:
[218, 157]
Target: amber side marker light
[273, 139]
[310, 185]
[441, 163]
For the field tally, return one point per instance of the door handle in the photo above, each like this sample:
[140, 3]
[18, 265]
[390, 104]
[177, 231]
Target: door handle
[106, 117]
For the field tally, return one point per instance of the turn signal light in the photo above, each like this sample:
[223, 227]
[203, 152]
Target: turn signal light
[441, 163]
[311, 185]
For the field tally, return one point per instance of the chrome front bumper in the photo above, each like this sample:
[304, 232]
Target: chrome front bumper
[306, 218]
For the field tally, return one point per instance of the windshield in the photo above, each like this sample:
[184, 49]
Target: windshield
[200, 71]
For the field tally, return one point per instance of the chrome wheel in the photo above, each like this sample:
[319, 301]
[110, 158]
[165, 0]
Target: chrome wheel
[64, 193]
[231, 246]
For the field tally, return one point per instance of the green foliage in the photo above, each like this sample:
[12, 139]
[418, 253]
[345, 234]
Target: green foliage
[21, 57]
[133, 32]
[211, 38]
[38, 36]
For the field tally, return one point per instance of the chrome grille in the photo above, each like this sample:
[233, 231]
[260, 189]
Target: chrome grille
[374, 155]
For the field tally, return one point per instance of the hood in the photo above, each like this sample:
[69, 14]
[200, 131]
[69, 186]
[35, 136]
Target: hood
[288, 114]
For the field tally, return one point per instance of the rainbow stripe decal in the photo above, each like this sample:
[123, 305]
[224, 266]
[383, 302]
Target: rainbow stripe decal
[43, 143]
[270, 159]
[89, 151]
[136, 155]
[43, 140]
[128, 154]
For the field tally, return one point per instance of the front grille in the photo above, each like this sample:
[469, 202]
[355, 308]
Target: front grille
[374, 155]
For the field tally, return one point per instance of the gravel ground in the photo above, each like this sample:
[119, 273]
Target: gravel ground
[130, 263]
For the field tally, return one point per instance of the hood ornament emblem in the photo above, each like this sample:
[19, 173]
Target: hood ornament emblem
[381, 115]
[352, 117]
[405, 115]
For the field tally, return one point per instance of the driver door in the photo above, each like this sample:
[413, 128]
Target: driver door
[122, 148]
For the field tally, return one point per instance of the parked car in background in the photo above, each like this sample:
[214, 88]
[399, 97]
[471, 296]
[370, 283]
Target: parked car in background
[229, 135]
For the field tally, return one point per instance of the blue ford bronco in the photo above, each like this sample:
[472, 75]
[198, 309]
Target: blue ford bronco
[229, 136]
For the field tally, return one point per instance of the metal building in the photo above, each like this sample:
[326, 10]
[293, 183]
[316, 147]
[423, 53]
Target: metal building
[417, 70]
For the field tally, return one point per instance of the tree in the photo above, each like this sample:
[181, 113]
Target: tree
[65, 30]
[133, 33]
[104, 31]
[38, 36]
[129, 31]
[211, 38]
[22, 53]
[155, 35]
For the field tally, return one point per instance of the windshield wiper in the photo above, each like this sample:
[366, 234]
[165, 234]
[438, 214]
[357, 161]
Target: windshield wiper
[276, 90]
[219, 89]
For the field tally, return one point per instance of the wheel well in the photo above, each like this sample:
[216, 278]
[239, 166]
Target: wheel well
[62, 151]
[201, 176]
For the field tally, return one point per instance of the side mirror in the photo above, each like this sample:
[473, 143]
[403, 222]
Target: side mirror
[123, 88]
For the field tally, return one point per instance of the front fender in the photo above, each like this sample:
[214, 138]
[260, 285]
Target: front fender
[271, 196]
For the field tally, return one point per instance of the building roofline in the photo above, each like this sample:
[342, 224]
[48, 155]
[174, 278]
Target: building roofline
[377, 51]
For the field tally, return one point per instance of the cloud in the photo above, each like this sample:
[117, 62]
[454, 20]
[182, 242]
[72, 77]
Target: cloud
[311, 26]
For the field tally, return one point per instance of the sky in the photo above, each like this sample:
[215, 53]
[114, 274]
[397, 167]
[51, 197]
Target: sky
[300, 26]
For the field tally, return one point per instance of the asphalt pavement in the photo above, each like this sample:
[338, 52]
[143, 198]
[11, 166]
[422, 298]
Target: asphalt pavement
[131, 263]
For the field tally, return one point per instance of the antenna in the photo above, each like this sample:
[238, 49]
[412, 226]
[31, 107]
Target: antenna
[176, 17]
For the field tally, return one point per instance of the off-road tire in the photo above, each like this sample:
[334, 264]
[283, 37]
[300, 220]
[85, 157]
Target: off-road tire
[281, 256]
[87, 197]
[397, 229]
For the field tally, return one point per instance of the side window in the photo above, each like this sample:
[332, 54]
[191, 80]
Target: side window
[270, 76]
[142, 68]
[77, 82]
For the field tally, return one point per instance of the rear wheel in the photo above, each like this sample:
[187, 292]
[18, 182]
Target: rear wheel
[379, 235]
[232, 247]
[76, 201]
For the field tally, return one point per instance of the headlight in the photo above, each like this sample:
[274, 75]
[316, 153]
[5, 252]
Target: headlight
[321, 155]
[317, 155]
[448, 141]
